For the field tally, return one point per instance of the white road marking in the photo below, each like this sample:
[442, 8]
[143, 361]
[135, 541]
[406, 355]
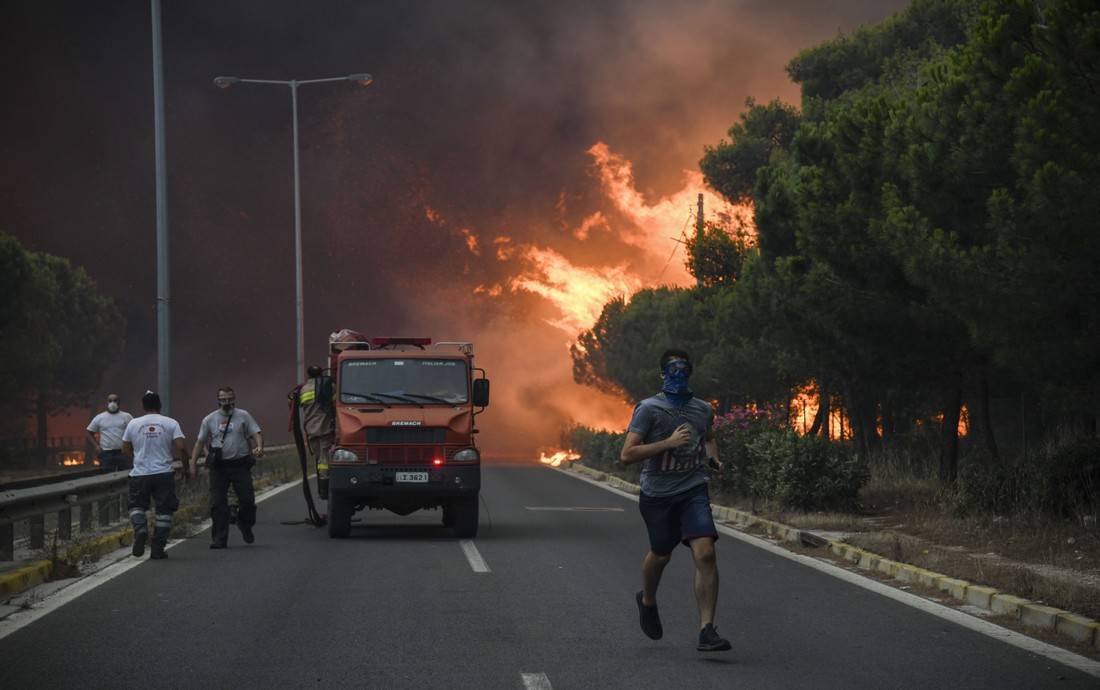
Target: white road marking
[87, 583]
[1062, 656]
[576, 509]
[474, 556]
[536, 681]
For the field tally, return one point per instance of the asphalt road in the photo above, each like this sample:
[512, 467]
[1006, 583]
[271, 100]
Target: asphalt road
[399, 605]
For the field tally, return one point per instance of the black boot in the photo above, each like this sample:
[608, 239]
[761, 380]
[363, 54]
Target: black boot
[140, 536]
[160, 540]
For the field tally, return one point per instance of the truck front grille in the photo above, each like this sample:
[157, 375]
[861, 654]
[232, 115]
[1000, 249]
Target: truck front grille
[404, 455]
[393, 435]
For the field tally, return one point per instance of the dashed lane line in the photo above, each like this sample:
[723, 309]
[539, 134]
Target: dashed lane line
[536, 681]
[574, 509]
[477, 563]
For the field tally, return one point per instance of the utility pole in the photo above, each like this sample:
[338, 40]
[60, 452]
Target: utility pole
[164, 359]
[699, 236]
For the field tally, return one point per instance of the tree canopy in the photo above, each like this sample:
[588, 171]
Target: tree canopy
[58, 334]
[926, 232]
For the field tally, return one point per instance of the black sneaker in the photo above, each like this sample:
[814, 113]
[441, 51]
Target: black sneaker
[139, 543]
[649, 619]
[246, 533]
[157, 552]
[218, 545]
[711, 641]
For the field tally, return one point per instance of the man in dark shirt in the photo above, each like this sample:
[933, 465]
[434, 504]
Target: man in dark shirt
[673, 433]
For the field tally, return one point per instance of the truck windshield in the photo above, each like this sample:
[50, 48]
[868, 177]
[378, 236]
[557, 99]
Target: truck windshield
[417, 381]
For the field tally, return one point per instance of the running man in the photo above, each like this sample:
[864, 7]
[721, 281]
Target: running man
[673, 434]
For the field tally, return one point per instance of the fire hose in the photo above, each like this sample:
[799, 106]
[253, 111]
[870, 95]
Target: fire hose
[312, 516]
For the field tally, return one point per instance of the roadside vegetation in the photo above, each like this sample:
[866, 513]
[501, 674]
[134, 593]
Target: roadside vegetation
[58, 335]
[906, 337]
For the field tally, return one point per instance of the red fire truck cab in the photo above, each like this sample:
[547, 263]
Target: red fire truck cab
[405, 413]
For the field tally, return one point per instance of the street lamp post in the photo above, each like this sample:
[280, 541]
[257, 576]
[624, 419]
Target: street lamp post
[225, 83]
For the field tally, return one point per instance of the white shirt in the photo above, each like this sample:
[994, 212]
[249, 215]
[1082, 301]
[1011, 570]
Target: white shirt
[152, 437]
[110, 426]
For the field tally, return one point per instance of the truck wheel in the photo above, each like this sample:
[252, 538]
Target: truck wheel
[465, 517]
[340, 510]
[448, 516]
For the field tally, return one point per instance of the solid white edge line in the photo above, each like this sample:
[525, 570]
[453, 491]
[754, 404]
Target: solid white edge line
[1030, 644]
[83, 585]
[477, 563]
[536, 681]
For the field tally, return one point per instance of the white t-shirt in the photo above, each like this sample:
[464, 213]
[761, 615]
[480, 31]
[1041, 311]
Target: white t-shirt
[110, 426]
[152, 437]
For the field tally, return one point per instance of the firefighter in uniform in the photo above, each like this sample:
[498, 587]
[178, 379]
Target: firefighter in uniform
[315, 403]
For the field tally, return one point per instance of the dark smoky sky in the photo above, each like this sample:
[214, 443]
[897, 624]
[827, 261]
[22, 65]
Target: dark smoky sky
[480, 111]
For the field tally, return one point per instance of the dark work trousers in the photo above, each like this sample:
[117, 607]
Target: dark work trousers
[239, 475]
[114, 460]
[162, 489]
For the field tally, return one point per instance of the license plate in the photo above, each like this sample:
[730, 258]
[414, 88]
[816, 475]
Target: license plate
[412, 477]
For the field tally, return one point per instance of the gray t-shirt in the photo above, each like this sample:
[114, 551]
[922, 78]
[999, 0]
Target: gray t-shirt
[241, 427]
[680, 469]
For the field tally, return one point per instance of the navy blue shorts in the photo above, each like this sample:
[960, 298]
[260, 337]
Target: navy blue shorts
[677, 519]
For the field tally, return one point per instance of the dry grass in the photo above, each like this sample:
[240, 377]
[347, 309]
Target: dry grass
[1073, 590]
[902, 517]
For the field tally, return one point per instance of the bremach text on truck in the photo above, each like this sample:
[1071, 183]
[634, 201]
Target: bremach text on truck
[405, 414]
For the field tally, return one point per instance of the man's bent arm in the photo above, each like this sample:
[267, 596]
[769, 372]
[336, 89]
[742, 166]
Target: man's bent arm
[93, 439]
[128, 448]
[636, 451]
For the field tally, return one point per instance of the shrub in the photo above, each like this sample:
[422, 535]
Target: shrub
[600, 450]
[1059, 480]
[735, 433]
[805, 472]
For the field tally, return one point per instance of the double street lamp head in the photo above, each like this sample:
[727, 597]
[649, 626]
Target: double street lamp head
[362, 79]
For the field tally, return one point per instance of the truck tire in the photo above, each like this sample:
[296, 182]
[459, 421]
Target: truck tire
[340, 511]
[465, 517]
[448, 516]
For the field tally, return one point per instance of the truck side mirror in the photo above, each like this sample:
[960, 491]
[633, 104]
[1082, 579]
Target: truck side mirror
[481, 392]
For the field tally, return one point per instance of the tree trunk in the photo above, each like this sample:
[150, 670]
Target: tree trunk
[790, 399]
[43, 430]
[987, 419]
[949, 448]
[889, 428]
[821, 419]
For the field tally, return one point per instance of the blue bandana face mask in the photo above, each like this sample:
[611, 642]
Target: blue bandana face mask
[675, 375]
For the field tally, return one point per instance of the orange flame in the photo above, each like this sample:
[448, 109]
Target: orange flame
[72, 459]
[579, 293]
[557, 458]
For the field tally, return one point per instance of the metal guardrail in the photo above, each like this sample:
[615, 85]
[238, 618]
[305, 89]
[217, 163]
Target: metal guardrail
[105, 492]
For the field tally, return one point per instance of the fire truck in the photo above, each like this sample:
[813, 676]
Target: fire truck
[405, 412]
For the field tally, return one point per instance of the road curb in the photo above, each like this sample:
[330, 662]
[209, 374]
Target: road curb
[1066, 623]
[15, 582]
[20, 580]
